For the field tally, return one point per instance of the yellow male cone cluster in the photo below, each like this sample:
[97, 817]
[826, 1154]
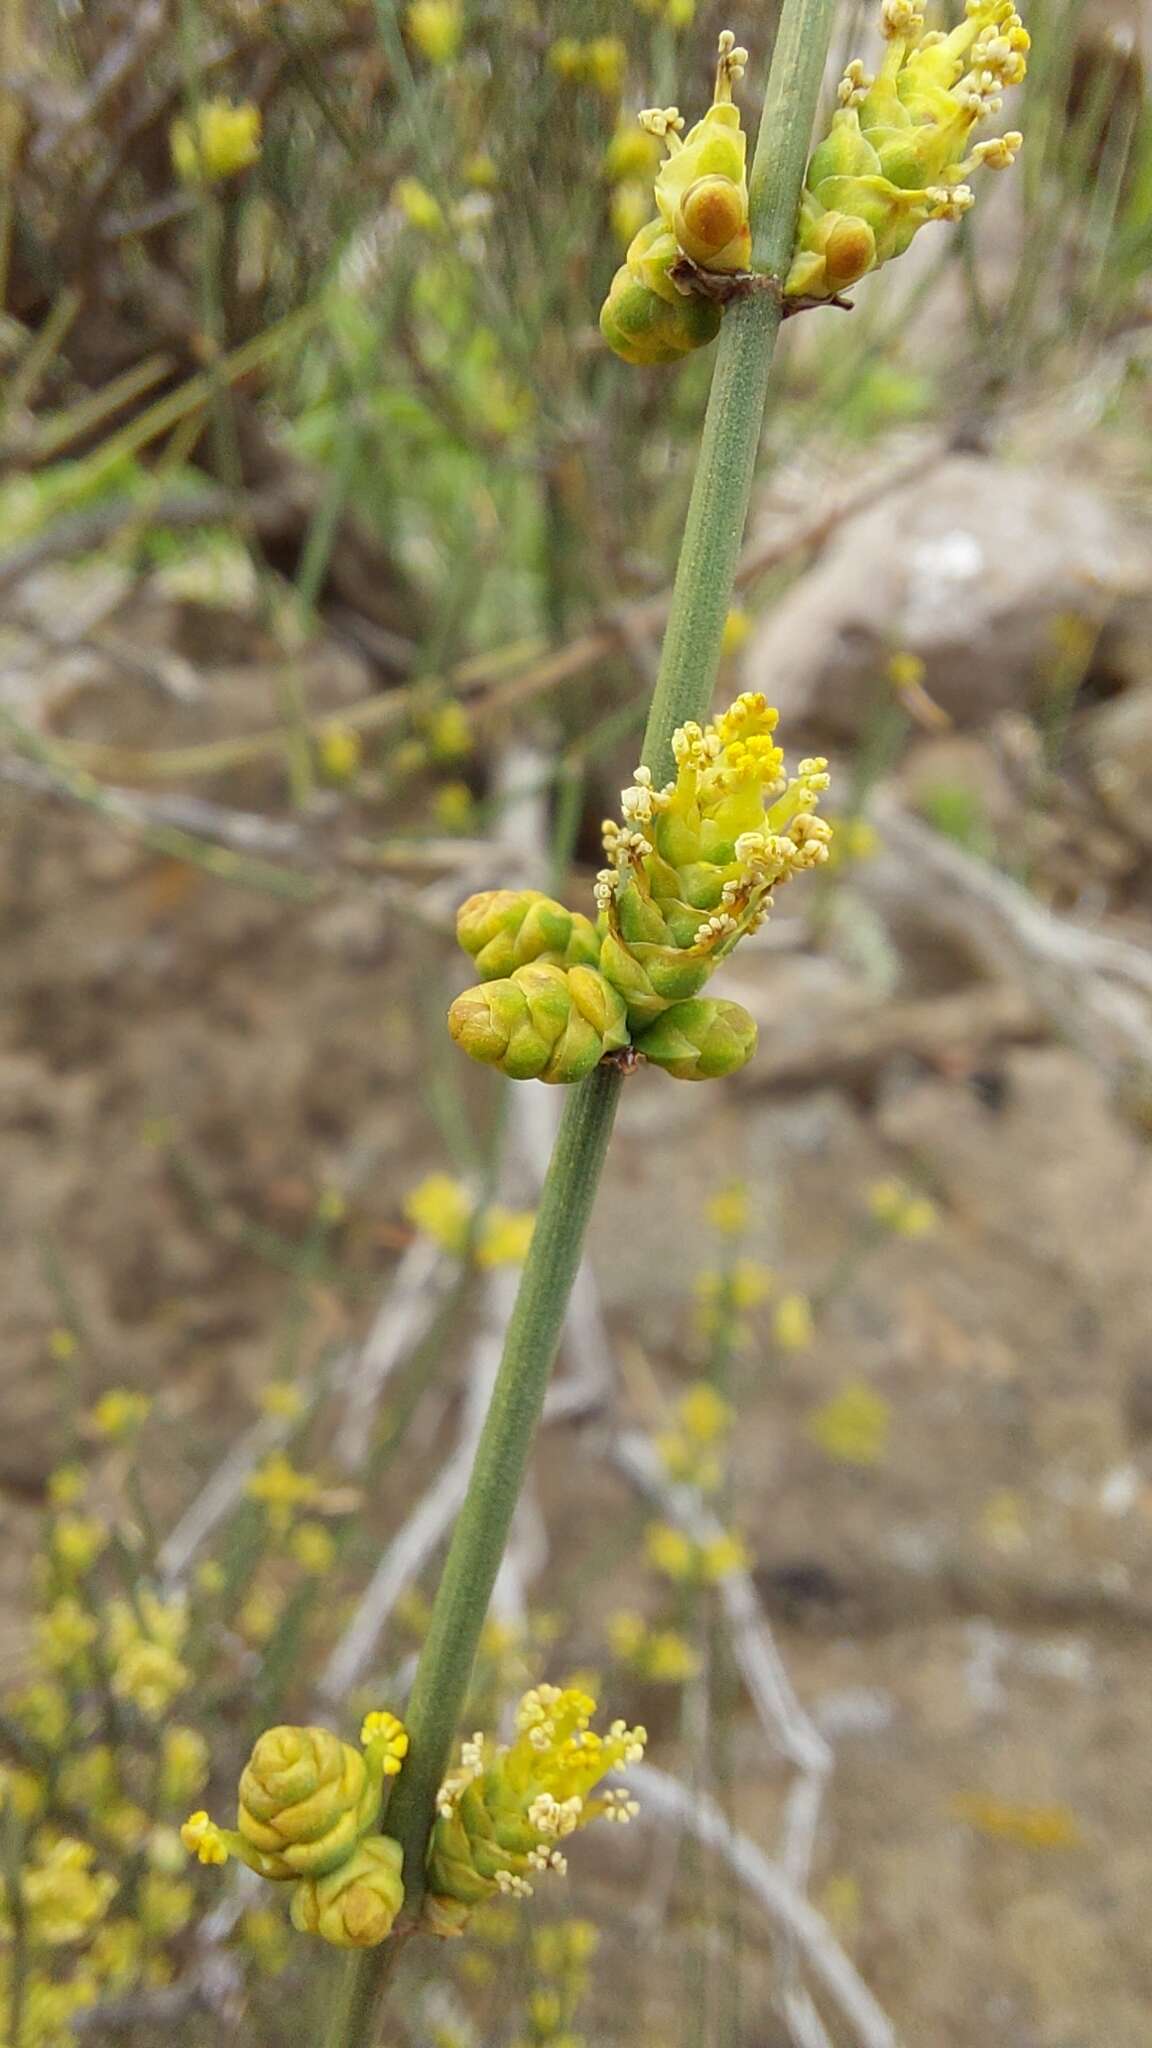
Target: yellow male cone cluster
[505, 1810]
[308, 1807]
[692, 869]
[894, 157]
[654, 313]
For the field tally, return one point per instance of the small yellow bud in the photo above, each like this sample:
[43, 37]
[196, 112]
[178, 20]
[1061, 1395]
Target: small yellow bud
[628, 209]
[283, 1400]
[183, 1764]
[341, 751]
[1029, 1827]
[906, 671]
[901, 1211]
[670, 1551]
[281, 1490]
[722, 1556]
[737, 627]
[704, 1414]
[218, 141]
[313, 1548]
[481, 171]
[77, 1541]
[61, 1345]
[792, 1324]
[119, 1414]
[452, 806]
[853, 1427]
[66, 1485]
[418, 206]
[727, 1211]
[441, 1208]
[504, 1236]
[605, 61]
[436, 27]
[449, 732]
[566, 58]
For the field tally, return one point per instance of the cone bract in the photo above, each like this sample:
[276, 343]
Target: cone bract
[354, 1905]
[305, 1799]
[541, 1023]
[701, 1040]
[504, 929]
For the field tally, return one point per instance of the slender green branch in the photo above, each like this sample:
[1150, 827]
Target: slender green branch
[702, 592]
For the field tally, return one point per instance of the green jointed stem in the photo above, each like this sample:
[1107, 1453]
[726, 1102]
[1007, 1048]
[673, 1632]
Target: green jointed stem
[701, 596]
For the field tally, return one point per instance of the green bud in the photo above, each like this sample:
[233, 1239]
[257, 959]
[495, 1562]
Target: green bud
[645, 318]
[701, 1040]
[541, 1023]
[507, 928]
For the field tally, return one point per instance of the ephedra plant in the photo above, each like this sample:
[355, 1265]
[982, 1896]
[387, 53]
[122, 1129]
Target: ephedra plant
[397, 1836]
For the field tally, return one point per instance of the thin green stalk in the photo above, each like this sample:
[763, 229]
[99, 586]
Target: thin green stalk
[701, 596]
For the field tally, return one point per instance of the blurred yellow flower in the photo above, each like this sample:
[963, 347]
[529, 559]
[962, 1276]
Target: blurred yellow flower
[449, 733]
[724, 1554]
[704, 1414]
[22, 1791]
[669, 1659]
[183, 1765]
[151, 1676]
[216, 142]
[258, 1618]
[628, 210]
[341, 751]
[453, 807]
[1030, 1827]
[44, 1710]
[481, 171]
[417, 205]
[66, 1485]
[61, 1345]
[606, 61]
[281, 1490]
[737, 627]
[853, 1426]
[77, 1541]
[63, 1896]
[504, 1236]
[165, 1905]
[727, 1210]
[314, 1548]
[900, 1210]
[792, 1324]
[905, 671]
[436, 27]
[853, 840]
[264, 1933]
[282, 1399]
[670, 1551]
[64, 1633]
[119, 1413]
[632, 155]
[441, 1208]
